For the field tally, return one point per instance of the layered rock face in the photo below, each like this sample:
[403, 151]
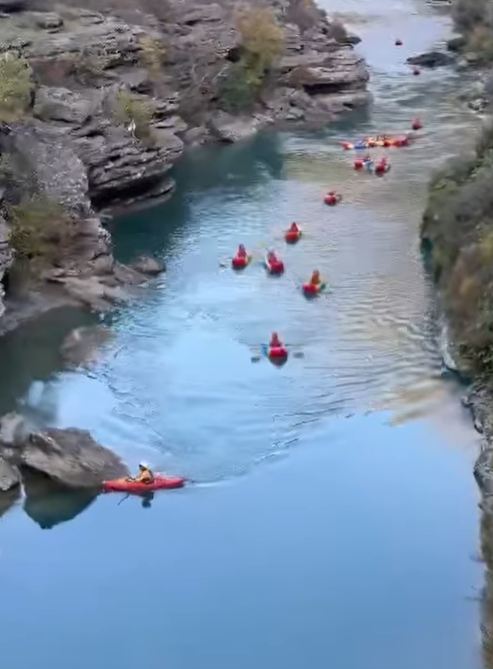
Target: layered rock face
[79, 143]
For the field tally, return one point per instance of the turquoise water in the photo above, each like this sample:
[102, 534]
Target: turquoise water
[333, 517]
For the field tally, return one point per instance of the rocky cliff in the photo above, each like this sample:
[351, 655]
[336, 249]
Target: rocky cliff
[114, 97]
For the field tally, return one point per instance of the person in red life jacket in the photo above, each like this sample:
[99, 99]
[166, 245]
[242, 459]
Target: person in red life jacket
[275, 342]
[272, 259]
[294, 228]
[315, 278]
[241, 252]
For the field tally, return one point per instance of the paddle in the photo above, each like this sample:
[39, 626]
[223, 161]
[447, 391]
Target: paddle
[123, 499]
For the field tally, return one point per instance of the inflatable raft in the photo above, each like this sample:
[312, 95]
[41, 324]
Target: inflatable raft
[292, 236]
[274, 267]
[240, 262]
[310, 289]
[277, 352]
[159, 483]
[332, 198]
[372, 142]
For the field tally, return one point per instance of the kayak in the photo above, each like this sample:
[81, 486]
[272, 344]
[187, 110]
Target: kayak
[332, 199]
[292, 236]
[355, 146]
[274, 267]
[371, 142]
[310, 289]
[159, 483]
[381, 168]
[240, 262]
[277, 352]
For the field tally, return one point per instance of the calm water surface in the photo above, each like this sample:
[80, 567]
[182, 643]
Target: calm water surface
[334, 516]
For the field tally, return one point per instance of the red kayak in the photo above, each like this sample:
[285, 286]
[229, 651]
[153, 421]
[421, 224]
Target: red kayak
[159, 483]
[292, 236]
[332, 199]
[274, 266]
[277, 352]
[310, 289]
[240, 262]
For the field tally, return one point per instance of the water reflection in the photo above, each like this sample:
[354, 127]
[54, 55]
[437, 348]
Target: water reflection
[48, 504]
[32, 352]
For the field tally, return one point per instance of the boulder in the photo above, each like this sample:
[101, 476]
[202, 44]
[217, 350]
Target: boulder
[60, 104]
[71, 458]
[9, 476]
[228, 129]
[48, 20]
[432, 59]
[13, 431]
[456, 44]
[148, 265]
[83, 344]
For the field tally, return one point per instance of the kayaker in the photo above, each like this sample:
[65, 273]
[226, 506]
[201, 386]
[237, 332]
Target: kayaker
[294, 227]
[241, 253]
[272, 259]
[144, 474]
[315, 278]
[275, 342]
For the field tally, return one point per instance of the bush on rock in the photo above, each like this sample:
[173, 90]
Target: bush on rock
[15, 87]
[261, 44]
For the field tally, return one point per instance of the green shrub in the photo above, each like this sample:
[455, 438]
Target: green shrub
[239, 88]
[130, 109]
[38, 226]
[15, 87]
[261, 44]
[467, 14]
[261, 36]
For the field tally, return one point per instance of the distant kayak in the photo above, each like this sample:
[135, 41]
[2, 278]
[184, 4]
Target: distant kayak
[274, 266]
[275, 352]
[371, 142]
[159, 483]
[240, 262]
[292, 236]
[310, 289]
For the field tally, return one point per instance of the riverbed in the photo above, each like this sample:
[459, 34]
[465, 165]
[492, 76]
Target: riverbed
[333, 517]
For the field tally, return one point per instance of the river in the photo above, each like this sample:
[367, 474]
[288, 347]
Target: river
[333, 519]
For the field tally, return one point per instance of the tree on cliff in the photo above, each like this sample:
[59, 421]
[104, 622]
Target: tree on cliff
[261, 44]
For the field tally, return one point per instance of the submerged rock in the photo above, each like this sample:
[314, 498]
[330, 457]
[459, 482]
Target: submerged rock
[432, 59]
[148, 265]
[83, 344]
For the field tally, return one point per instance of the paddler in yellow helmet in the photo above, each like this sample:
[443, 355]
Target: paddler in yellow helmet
[144, 474]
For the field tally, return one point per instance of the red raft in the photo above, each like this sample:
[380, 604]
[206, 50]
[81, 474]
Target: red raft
[274, 266]
[332, 198]
[292, 236]
[159, 483]
[239, 262]
[277, 352]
